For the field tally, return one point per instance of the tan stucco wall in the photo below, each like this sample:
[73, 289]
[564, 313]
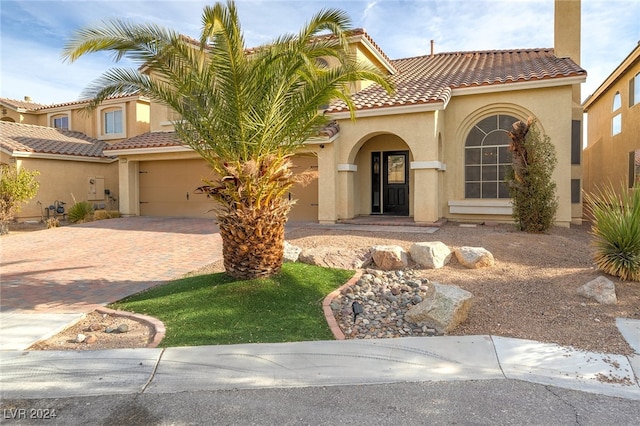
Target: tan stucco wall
[440, 136]
[553, 109]
[606, 157]
[160, 116]
[413, 132]
[59, 179]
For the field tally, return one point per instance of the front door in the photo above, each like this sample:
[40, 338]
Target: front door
[390, 183]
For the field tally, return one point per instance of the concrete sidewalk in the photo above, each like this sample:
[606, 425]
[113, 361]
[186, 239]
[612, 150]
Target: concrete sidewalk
[35, 375]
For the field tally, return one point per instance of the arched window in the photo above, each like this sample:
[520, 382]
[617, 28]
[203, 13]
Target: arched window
[60, 121]
[112, 121]
[616, 121]
[634, 90]
[487, 158]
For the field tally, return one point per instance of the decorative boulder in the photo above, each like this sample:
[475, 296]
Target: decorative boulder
[430, 254]
[601, 289]
[291, 252]
[474, 257]
[333, 257]
[444, 310]
[389, 257]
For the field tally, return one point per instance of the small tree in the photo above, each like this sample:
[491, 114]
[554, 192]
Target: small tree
[530, 181]
[16, 187]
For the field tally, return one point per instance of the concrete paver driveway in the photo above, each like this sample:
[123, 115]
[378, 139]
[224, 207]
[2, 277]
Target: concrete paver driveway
[74, 268]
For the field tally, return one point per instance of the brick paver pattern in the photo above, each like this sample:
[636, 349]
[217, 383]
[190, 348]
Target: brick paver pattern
[74, 268]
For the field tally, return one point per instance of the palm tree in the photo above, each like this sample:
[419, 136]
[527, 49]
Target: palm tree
[245, 111]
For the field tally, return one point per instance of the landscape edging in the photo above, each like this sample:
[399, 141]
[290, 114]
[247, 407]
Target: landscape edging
[157, 325]
[328, 312]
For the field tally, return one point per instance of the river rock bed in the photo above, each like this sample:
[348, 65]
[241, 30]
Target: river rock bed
[385, 297]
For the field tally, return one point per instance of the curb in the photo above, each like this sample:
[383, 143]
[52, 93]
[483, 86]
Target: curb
[159, 329]
[328, 312]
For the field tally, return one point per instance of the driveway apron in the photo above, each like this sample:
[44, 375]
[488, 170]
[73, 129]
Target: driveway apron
[74, 268]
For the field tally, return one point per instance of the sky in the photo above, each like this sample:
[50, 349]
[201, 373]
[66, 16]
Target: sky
[33, 32]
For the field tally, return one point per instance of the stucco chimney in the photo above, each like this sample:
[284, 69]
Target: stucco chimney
[27, 98]
[566, 30]
[432, 47]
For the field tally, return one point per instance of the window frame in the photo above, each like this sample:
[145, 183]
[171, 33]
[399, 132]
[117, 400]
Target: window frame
[52, 117]
[616, 119]
[102, 112]
[634, 90]
[488, 172]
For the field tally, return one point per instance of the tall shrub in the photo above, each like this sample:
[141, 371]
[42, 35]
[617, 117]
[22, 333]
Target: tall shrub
[16, 187]
[531, 186]
[616, 230]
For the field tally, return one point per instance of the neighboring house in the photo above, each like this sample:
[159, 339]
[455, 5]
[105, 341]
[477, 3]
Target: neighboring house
[66, 145]
[612, 155]
[436, 149]
[71, 164]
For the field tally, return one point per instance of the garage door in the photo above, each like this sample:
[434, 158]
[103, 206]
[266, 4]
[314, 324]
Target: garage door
[306, 207]
[167, 188]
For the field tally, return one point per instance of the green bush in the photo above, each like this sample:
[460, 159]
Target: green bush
[531, 184]
[81, 212]
[17, 186]
[616, 231]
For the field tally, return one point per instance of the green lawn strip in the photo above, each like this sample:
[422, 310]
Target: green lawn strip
[216, 309]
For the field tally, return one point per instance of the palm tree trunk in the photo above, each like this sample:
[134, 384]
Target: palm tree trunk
[253, 240]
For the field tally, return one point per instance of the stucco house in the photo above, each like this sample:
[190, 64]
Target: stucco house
[435, 149]
[612, 154]
[65, 144]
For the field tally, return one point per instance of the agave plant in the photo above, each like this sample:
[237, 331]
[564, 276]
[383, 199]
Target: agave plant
[81, 212]
[616, 230]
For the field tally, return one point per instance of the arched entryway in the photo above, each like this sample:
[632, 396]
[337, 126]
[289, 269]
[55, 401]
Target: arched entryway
[384, 179]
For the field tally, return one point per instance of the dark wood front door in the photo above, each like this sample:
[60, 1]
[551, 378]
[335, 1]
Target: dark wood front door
[395, 183]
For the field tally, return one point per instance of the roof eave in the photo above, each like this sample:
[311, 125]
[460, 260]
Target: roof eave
[376, 52]
[66, 157]
[390, 110]
[613, 77]
[519, 85]
[149, 150]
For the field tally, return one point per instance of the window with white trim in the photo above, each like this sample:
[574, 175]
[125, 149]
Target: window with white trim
[487, 158]
[60, 122]
[112, 121]
[616, 121]
[634, 90]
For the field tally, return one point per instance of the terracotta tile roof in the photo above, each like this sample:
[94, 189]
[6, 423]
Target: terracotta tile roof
[47, 140]
[32, 106]
[147, 140]
[21, 104]
[431, 78]
[169, 139]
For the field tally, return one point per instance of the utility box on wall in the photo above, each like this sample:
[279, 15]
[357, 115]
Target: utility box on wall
[96, 188]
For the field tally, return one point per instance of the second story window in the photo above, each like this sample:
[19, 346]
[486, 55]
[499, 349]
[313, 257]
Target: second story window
[61, 122]
[616, 121]
[634, 90]
[113, 122]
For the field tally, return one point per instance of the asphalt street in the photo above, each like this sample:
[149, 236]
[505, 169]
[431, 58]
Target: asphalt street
[480, 402]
